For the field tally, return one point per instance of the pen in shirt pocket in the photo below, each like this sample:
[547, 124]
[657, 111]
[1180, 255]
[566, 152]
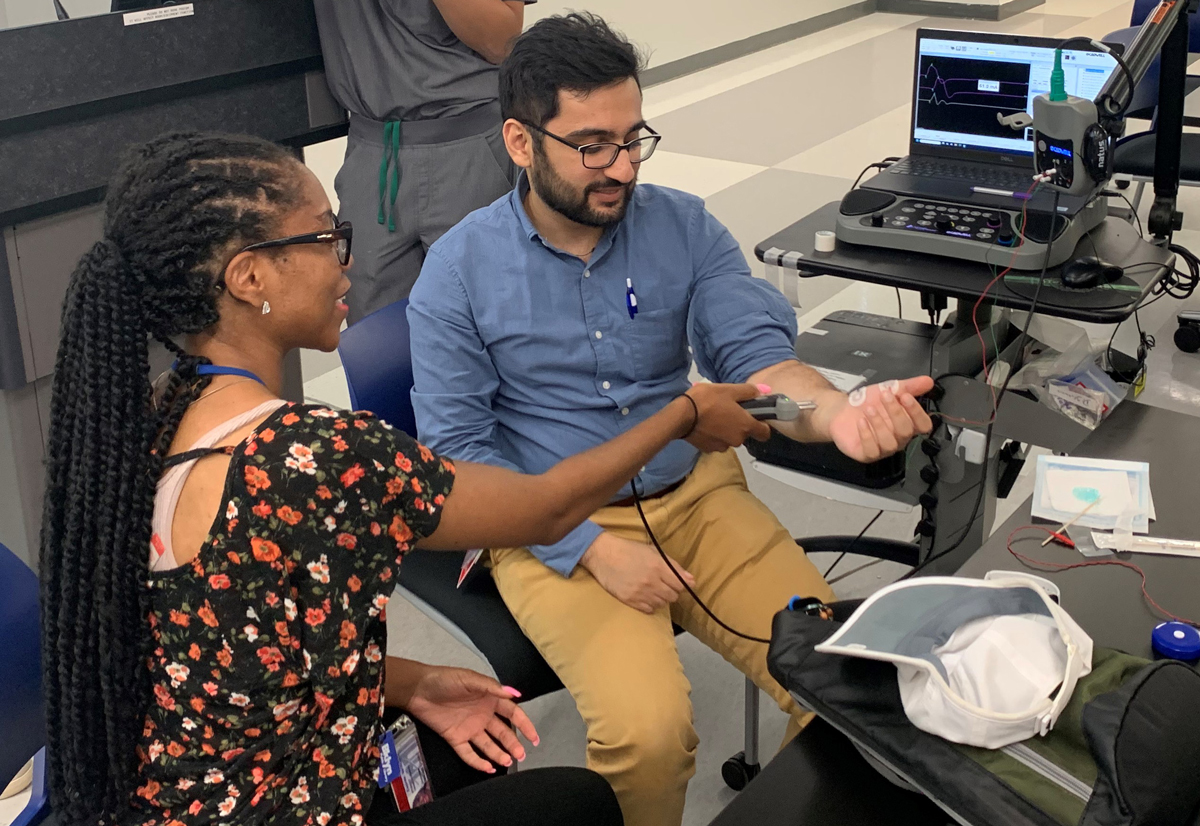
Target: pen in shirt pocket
[630, 298]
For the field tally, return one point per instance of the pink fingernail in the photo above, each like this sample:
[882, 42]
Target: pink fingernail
[763, 388]
[512, 692]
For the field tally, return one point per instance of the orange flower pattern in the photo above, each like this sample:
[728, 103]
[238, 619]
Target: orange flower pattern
[267, 664]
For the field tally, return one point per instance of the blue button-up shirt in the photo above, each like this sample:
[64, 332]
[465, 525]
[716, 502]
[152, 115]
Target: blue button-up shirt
[524, 355]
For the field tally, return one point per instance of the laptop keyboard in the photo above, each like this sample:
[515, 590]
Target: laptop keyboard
[977, 174]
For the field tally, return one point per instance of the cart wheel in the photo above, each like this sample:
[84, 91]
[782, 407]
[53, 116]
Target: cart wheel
[737, 772]
[1187, 338]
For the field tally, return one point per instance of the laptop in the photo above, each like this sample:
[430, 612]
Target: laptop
[961, 81]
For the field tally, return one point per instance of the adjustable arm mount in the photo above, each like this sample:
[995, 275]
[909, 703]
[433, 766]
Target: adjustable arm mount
[1073, 136]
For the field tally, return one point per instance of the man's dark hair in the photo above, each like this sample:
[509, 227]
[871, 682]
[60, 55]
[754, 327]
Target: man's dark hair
[578, 52]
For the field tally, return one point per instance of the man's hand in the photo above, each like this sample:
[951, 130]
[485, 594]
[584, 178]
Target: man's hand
[882, 423]
[634, 573]
[473, 714]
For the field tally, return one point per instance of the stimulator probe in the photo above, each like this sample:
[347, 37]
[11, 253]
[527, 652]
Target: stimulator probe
[776, 407]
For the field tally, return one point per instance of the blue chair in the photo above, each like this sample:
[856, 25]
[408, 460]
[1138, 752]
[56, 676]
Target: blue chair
[22, 719]
[378, 362]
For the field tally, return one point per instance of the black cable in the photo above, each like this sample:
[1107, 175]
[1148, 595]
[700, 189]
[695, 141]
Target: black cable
[637, 501]
[899, 305]
[1116, 193]
[884, 164]
[987, 441]
[1120, 62]
[850, 547]
[1178, 284]
[1146, 343]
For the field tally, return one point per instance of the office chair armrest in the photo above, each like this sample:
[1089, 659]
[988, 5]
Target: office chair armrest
[893, 550]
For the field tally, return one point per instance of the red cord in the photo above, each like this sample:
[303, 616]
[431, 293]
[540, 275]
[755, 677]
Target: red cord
[975, 316]
[1058, 566]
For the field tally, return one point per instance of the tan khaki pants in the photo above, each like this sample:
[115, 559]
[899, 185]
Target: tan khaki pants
[621, 665]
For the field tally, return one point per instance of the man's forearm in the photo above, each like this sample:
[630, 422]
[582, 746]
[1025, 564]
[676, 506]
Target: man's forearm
[800, 382]
[487, 26]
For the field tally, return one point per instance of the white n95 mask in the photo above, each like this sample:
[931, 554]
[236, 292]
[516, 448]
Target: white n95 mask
[981, 662]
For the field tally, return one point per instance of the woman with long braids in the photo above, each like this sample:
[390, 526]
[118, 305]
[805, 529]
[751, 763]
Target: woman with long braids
[215, 562]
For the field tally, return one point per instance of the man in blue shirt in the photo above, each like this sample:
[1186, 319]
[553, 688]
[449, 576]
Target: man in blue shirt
[563, 314]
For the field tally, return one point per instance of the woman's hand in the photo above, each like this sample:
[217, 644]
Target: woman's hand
[721, 423]
[473, 714]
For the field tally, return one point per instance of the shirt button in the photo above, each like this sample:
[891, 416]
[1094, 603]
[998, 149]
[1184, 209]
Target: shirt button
[587, 273]
[624, 411]
[599, 334]
[606, 385]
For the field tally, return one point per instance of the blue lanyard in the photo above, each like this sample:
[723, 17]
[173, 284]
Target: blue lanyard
[218, 370]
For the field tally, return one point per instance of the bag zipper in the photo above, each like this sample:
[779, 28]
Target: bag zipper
[1052, 772]
[959, 819]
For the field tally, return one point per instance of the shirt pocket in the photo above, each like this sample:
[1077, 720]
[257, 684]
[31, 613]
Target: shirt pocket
[658, 343]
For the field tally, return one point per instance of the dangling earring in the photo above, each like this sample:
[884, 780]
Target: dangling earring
[266, 307]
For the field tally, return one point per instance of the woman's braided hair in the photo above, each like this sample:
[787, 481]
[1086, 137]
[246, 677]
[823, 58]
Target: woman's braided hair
[177, 210]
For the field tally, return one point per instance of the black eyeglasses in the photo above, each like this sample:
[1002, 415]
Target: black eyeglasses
[604, 155]
[340, 237]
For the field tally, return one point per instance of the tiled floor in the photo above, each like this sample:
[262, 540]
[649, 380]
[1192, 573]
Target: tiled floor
[767, 139]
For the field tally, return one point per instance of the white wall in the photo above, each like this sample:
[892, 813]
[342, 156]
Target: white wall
[673, 29]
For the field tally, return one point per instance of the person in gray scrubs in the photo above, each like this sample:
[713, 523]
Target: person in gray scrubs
[419, 78]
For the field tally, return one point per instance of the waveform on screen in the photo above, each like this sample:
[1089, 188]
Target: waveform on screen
[966, 91]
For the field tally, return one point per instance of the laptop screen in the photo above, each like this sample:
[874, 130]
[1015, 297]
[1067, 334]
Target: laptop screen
[962, 83]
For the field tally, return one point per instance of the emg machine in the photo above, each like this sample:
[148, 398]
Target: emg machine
[960, 218]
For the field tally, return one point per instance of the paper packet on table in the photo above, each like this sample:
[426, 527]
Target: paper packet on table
[1066, 485]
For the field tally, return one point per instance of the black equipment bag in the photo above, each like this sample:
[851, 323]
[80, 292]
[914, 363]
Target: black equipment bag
[1125, 752]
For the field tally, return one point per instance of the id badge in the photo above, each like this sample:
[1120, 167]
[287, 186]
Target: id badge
[402, 765]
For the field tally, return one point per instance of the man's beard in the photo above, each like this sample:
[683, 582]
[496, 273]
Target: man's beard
[563, 199]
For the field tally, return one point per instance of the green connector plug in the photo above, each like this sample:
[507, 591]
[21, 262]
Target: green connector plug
[1058, 83]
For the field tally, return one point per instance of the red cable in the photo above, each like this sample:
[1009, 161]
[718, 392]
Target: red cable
[1058, 566]
[979, 302]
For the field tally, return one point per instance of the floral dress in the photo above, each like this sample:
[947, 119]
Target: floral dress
[269, 646]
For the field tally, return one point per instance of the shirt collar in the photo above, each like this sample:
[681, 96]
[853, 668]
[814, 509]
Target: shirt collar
[517, 200]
